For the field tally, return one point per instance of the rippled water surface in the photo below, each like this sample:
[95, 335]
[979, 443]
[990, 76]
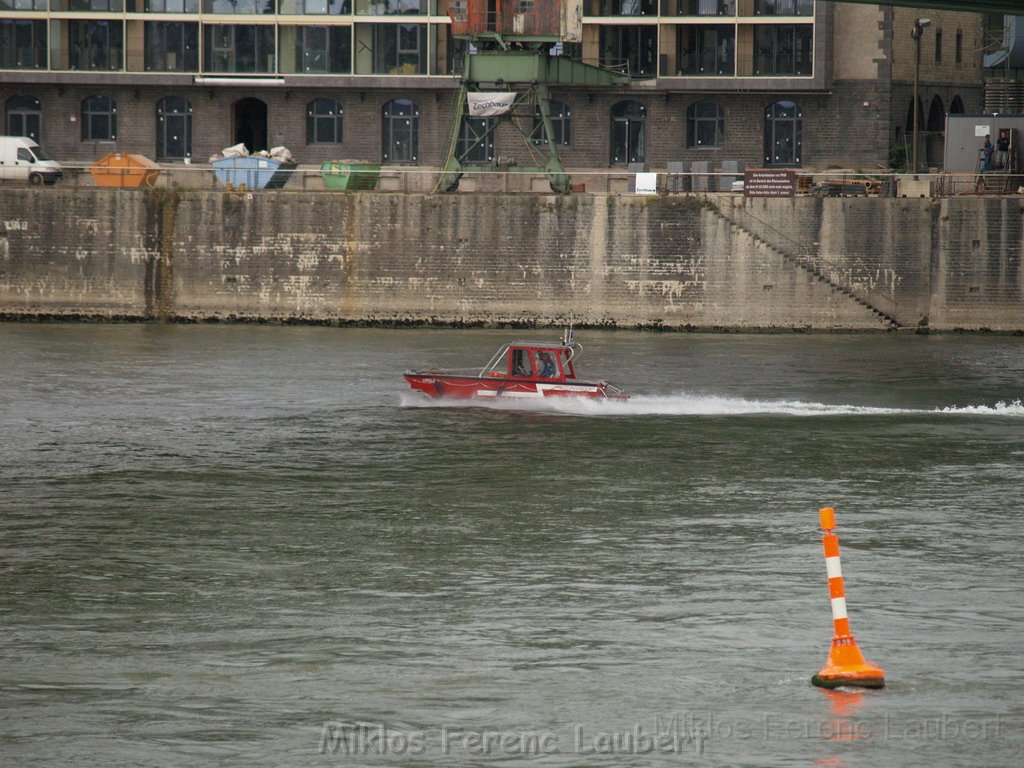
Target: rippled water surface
[215, 540]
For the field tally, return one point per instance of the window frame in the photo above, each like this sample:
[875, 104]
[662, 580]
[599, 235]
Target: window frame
[38, 37]
[89, 31]
[392, 130]
[785, 63]
[628, 122]
[694, 123]
[93, 110]
[162, 38]
[476, 136]
[163, 118]
[315, 119]
[774, 121]
[561, 124]
[28, 109]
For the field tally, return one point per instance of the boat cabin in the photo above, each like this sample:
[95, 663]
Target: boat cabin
[528, 360]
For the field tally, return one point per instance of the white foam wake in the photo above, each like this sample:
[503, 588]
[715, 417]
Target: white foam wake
[702, 405]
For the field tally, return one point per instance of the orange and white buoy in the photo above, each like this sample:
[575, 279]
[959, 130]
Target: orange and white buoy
[846, 665]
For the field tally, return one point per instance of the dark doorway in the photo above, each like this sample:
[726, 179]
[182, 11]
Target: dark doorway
[251, 124]
[935, 138]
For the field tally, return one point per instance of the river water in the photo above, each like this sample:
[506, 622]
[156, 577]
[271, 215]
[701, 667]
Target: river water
[245, 546]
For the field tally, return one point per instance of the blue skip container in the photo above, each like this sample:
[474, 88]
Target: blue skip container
[252, 172]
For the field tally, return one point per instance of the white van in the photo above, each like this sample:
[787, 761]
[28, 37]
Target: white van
[22, 159]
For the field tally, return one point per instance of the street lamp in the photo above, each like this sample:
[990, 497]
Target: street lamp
[915, 34]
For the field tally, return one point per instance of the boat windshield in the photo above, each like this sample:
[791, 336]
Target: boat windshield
[521, 362]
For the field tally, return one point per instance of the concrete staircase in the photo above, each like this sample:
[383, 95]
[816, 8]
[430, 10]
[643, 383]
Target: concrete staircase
[997, 183]
[812, 267]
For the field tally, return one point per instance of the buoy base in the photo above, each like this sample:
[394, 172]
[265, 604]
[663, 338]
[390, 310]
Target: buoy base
[853, 682]
[846, 666]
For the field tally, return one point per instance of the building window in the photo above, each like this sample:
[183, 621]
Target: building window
[708, 49]
[699, 7]
[173, 129]
[959, 52]
[26, 5]
[458, 10]
[172, 6]
[323, 49]
[629, 133]
[95, 45]
[782, 49]
[629, 49]
[705, 125]
[560, 124]
[392, 7]
[323, 122]
[476, 140]
[621, 7]
[317, 7]
[239, 48]
[938, 46]
[783, 134]
[171, 46]
[245, 7]
[314, 8]
[24, 117]
[400, 49]
[87, 6]
[99, 119]
[22, 44]
[401, 131]
[783, 7]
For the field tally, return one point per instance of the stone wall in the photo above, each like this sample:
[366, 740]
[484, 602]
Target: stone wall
[627, 261]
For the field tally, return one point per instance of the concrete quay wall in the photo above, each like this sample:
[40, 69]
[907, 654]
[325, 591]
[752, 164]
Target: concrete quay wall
[674, 262]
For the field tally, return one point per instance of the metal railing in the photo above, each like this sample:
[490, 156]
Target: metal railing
[509, 179]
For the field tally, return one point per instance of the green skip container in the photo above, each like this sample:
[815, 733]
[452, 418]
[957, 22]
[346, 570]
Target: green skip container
[349, 176]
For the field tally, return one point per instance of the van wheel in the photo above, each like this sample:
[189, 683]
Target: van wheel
[35, 179]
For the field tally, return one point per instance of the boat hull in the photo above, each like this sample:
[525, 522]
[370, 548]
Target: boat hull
[445, 385]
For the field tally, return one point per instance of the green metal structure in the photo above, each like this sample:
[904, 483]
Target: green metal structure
[520, 63]
[528, 69]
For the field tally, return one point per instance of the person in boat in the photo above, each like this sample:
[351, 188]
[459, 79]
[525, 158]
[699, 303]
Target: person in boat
[547, 370]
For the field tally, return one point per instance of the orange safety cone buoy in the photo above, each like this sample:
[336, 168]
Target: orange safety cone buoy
[846, 664]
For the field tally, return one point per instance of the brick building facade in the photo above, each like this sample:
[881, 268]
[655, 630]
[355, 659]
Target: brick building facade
[843, 103]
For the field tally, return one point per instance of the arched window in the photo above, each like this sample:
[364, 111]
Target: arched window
[936, 116]
[956, 106]
[323, 122]
[705, 125]
[783, 133]
[401, 129]
[99, 119]
[173, 128]
[25, 117]
[629, 132]
[560, 124]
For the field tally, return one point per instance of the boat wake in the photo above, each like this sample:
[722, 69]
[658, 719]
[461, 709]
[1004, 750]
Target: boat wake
[705, 405]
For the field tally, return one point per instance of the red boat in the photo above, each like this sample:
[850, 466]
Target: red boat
[521, 370]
